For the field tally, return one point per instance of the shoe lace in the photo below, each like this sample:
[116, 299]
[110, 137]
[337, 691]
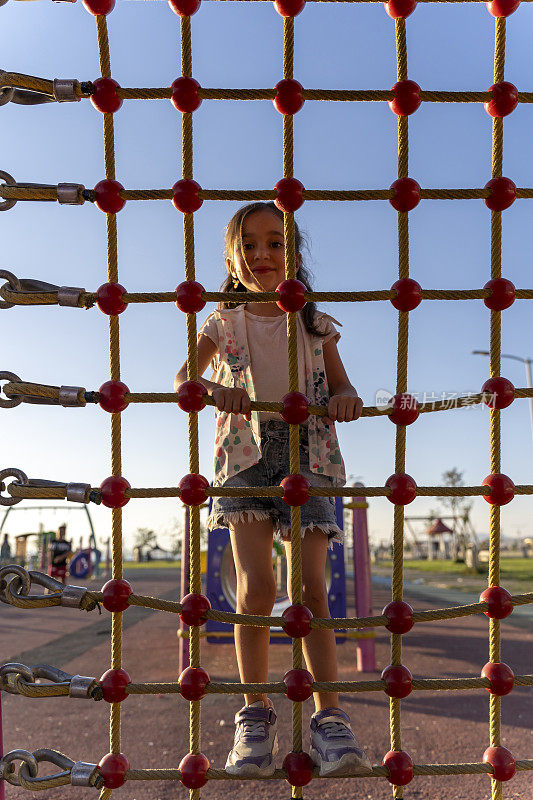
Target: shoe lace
[337, 730]
[252, 727]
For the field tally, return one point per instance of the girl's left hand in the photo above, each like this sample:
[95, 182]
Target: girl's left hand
[344, 408]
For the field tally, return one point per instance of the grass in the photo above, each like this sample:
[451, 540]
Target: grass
[151, 564]
[518, 569]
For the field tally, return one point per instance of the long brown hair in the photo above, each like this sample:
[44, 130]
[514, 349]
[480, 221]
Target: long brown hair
[233, 238]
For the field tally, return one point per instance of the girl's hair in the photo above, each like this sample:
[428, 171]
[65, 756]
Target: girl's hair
[233, 239]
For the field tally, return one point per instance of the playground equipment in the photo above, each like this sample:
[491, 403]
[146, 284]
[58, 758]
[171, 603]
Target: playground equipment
[84, 563]
[222, 582]
[462, 536]
[400, 489]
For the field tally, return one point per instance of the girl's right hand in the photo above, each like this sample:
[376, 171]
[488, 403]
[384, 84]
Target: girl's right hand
[232, 401]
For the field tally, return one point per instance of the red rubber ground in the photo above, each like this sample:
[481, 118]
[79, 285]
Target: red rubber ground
[437, 726]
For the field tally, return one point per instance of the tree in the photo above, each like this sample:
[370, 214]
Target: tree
[457, 505]
[144, 537]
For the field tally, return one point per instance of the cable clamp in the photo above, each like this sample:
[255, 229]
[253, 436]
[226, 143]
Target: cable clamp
[71, 194]
[71, 396]
[72, 596]
[65, 88]
[82, 773]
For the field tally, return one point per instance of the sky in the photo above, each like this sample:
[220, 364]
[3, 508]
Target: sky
[353, 246]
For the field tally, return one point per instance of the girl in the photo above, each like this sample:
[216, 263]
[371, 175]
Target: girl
[247, 347]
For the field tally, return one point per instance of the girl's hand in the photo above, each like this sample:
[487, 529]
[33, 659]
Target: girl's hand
[344, 408]
[232, 401]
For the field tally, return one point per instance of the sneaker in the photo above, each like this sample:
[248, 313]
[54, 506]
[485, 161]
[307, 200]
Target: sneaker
[334, 748]
[256, 742]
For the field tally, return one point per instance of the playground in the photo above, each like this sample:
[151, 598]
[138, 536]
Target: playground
[94, 698]
[435, 723]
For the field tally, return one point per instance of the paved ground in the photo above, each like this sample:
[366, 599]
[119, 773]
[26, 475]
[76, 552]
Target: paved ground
[436, 726]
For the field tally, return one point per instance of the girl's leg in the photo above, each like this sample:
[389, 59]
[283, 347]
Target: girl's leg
[319, 646]
[256, 592]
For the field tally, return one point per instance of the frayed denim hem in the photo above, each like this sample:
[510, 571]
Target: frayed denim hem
[282, 533]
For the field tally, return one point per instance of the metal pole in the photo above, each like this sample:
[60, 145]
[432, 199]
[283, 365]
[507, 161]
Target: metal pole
[185, 588]
[2, 791]
[366, 655]
[529, 386]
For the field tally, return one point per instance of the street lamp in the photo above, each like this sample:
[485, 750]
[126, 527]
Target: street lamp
[527, 362]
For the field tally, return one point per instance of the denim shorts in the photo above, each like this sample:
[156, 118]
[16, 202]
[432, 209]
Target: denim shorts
[273, 466]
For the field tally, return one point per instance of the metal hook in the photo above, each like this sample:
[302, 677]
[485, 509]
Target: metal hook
[21, 477]
[11, 402]
[5, 205]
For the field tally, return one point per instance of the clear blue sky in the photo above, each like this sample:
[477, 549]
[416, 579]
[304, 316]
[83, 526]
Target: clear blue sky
[238, 145]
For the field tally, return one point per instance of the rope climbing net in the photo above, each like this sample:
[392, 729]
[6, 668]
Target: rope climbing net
[114, 396]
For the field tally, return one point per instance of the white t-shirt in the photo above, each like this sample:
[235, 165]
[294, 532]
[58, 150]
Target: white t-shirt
[267, 344]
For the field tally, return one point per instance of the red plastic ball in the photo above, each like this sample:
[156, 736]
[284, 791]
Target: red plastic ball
[299, 683]
[184, 8]
[113, 768]
[398, 679]
[403, 489]
[191, 396]
[193, 768]
[193, 681]
[406, 194]
[295, 490]
[503, 194]
[499, 392]
[189, 297]
[186, 196]
[499, 602]
[289, 8]
[112, 396]
[113, 683]
[116, 593]
[193, 488]
[400, 616]
[501, 759]
[288, 99]
[503, 8]
[299, 767]
[291, 295]
[405, 409]
[107, 196]
[501, 677]
[502, 489]
[295, 408]
[193, 609]
[406, 98]
[399, 9]
[98, 7]
[408, 294]
[185, 95]
[109, 298]
[400, 766]
[296, 621]
[502, 294]
[290, 194]
[504, 99]
[104, 97]
[113, 492]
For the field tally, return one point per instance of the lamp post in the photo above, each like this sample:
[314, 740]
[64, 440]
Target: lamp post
[527, 362]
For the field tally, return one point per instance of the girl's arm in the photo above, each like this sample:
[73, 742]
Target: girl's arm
[233, 401]
[344, 404]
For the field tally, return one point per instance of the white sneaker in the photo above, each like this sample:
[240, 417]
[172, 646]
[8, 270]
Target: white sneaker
[334, 748]
[256, 742]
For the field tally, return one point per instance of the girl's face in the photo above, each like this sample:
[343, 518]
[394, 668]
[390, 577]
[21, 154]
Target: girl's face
[264, 249]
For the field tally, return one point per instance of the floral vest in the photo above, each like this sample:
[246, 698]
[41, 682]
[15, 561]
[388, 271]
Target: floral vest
[237, 441]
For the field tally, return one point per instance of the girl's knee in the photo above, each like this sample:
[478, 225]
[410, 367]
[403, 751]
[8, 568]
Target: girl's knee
[256, 594]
